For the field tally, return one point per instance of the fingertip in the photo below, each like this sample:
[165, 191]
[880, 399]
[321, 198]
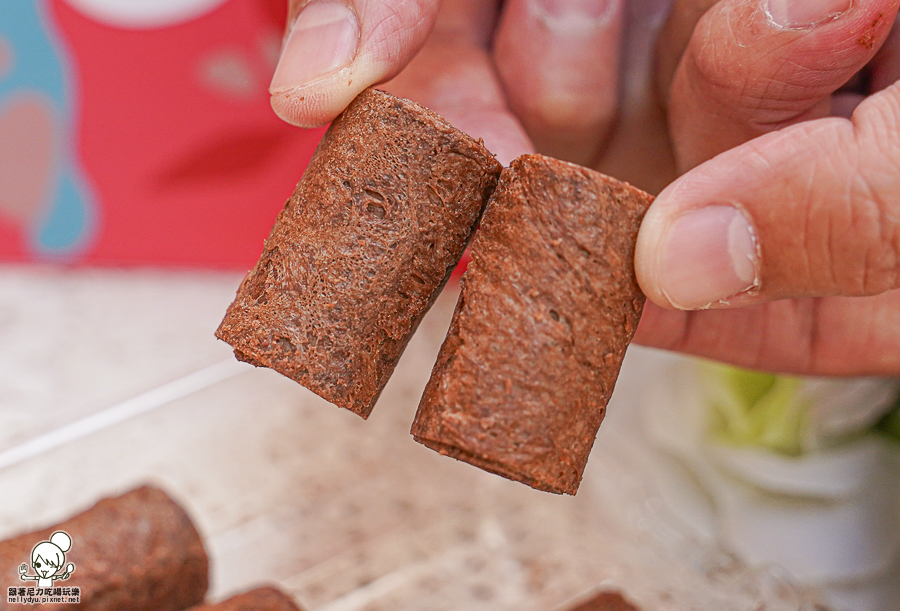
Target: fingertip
[796, 213]
[563, 84]
[334, 50]
[647, 255]
[697, 253]
[316, 104]
[304, 94]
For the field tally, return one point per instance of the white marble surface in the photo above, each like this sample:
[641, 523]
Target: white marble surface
[345, 514]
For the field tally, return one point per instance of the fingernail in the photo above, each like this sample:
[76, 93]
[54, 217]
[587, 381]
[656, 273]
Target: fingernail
[710, 254]
[805, 13]
[574, 15]
[323, 39]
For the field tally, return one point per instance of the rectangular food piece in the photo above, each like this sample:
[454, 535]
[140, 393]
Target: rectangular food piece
[548, 306]
[260, 599]
[138, 551]
[362, 249]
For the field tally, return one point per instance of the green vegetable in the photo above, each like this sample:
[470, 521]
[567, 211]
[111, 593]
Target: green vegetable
[758, 409]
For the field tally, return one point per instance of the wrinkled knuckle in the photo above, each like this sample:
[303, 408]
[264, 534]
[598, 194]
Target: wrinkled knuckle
[872, 241]
[877, 122]
[882, 265]
[708, 71]
[877, 194]
[395, 27]
[762, 85]
[763, 101]
[852, 229]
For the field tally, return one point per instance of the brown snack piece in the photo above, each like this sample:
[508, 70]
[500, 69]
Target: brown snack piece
[548, 306]
[362, 249]
[266, 598]
[605, 601]
[138, 551]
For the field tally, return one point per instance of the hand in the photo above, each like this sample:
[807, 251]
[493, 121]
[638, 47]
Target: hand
[23, 568]
[791, 237]
[524, 80]
[334, 49]
[545, 71]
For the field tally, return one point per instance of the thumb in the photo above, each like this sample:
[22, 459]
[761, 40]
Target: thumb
[812, 210]
[334, 49]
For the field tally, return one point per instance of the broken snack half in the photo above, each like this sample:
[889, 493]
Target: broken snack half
[362, 249]
[549, 304]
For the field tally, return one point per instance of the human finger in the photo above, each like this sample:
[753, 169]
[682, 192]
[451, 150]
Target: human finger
[558, 61]
[334, 49]
[673, 39]
[453, 75]
[754, 66]
[638, 149]
[812, 210]
[815, 336]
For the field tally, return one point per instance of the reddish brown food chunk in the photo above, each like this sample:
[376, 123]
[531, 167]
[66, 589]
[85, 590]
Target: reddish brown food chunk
[138, 551]
[260, 599]
[605, 601]
[548, 306]
[362, 249]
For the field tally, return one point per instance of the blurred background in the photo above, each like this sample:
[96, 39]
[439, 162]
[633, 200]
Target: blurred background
[141, 132]
[141, 168]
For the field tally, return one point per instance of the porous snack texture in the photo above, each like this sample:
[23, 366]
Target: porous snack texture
[362, 249]
[138, 551]
[549, 304]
